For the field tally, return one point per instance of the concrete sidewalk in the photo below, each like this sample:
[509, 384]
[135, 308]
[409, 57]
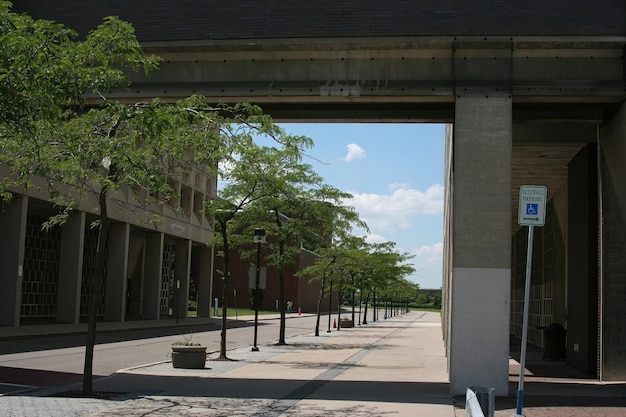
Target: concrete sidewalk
[391, 367]
[394, 367]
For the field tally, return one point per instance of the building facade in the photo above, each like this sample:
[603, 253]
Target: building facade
[47, 275]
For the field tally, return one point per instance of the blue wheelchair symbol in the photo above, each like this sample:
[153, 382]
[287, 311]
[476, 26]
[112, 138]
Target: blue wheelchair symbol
[532, 209]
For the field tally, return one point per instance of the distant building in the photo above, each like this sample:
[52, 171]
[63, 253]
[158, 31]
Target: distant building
[302, 293]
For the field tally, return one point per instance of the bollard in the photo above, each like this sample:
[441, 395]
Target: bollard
[480, 402]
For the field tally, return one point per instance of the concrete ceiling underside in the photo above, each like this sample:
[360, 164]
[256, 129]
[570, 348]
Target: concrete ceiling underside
[539, 165]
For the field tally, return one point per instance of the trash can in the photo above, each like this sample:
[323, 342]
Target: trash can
[555, 348]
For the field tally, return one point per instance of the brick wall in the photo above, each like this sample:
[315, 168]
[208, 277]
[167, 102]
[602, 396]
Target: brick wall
[256, 19]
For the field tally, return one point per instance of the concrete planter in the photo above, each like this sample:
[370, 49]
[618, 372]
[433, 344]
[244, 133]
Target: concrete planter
[346, 323]
[188, 357]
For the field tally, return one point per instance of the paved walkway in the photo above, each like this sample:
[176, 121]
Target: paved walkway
[392, 367]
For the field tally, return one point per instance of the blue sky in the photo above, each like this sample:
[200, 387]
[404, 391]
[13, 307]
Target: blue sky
[395, 173]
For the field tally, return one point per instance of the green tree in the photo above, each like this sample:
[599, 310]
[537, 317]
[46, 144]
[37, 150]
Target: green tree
[291, 202]
[44, 75]
[385, 267]
[317, 215]
[44, 131]
[252, 174]
[344, 261]
[321, 270]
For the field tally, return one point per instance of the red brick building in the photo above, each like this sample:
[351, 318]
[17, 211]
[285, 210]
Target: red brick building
[302, 293]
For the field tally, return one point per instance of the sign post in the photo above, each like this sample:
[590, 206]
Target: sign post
[531, 213]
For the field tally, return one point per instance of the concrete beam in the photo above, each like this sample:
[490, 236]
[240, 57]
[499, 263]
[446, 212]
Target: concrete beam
[575, 71]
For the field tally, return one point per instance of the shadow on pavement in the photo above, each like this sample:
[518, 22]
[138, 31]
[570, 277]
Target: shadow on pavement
[215, 387]
[23, 376]
[43, 341]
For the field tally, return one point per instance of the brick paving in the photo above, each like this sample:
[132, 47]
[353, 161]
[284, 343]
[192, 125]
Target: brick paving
[559, 406]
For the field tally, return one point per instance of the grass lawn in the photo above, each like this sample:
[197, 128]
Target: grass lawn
[231, 312]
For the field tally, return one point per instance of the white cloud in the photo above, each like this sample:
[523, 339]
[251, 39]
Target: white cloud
[427, 262]
[354, 152]
[393, 212]
[428, 255]
[375, 238]
[396, 185]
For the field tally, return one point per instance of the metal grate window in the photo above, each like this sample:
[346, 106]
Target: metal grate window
[167, 275]
[89, 273]
[541, 303]
[41, 269]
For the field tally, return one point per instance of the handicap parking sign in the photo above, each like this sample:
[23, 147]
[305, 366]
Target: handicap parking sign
[532, 205]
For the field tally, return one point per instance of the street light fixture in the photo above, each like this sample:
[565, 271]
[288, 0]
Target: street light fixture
[259, 237]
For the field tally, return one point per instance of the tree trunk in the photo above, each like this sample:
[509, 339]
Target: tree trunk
[360, 305]
[386, 305]
[225, 289]
[319, 307]
[339, 295]
[353, 299]
[281, 294]
[367, 299]
[374, 306]
[94, 304]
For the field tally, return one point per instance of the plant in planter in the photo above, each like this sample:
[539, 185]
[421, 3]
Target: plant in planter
[187, 354]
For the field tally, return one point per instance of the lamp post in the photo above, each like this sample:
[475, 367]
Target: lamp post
[259, 237]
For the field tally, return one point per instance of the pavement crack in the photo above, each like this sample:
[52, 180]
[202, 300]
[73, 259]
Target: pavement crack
[169, 405]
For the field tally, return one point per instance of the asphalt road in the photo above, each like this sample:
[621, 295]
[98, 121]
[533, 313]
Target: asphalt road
[59, 360]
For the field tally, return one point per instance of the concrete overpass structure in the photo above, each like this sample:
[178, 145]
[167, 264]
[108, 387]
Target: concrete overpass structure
[533, 94]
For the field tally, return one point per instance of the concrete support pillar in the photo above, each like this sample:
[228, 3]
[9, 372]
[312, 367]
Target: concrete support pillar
[71, 268]
[205, 280]
[582, 261]
[117, 272]
[613, 144]
[182, 268]
[446, 302]
[135, 275]
[481, 244]
[613, 257]
[13, 226]
[153, 272]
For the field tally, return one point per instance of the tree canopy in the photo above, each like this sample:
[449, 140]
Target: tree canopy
[45, 74]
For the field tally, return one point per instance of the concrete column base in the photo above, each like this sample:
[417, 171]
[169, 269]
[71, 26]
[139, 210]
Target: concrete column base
[479, 354]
